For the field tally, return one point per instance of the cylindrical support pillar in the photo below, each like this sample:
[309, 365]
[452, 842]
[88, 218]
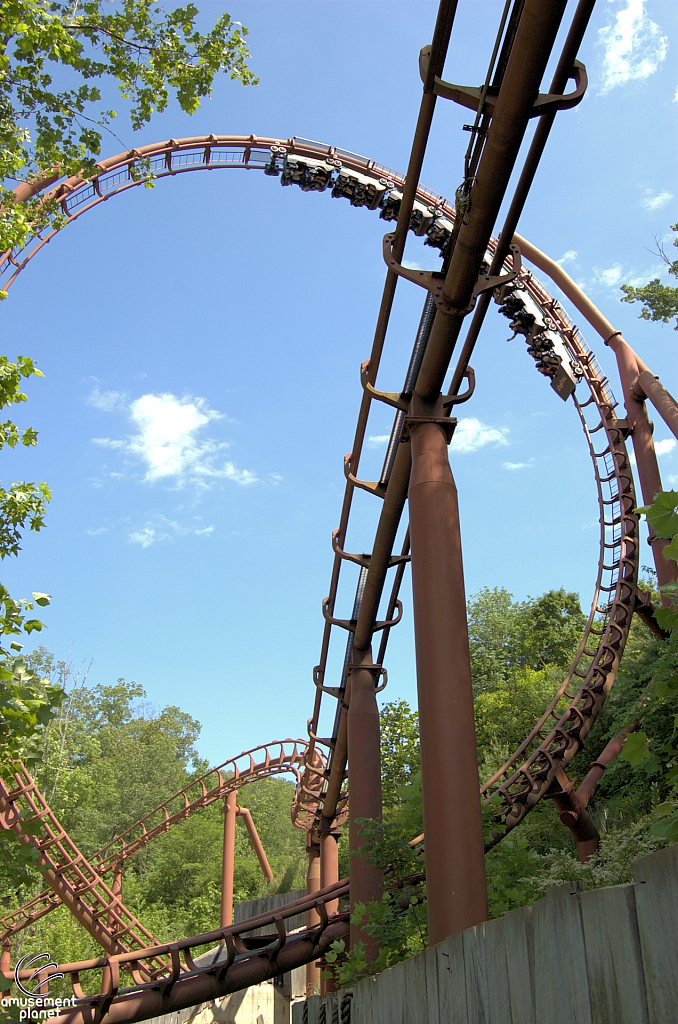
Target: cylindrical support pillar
[643, 447]
[257, 845]
[228, 862]
[455, 861]
[665, 404]
[312, 916]
[6, 965]
[329, 874]
[116, 889]
[364, 783]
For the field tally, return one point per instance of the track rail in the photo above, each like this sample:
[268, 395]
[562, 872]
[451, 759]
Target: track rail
[313, 166]
[238, 962]
[265, 761]
[530, 772]
[76, 882]
[562, 730]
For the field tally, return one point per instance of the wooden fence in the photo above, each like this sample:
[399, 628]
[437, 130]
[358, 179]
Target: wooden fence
[608, 956]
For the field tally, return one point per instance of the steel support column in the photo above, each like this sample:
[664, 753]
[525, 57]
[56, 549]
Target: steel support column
[364, 774]
[312, 916]
[116, 889]
[329, 874]
[228, 862]
[6, 965]
[640, 430]
[455, 860]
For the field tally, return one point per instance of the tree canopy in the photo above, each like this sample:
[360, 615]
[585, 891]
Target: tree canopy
[659, 301]
[107, 757]
[56, 57]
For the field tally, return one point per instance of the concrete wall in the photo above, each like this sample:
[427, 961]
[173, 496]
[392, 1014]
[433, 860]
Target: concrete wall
[609, 956]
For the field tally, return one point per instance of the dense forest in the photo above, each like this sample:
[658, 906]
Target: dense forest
[107, 756]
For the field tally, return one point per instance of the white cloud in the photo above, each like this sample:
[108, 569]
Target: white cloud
[470, 435]
[517, 465]
[160, 529]
[634, 46]
[107, 401]
[108, 442]
[568, 257]
[611, 276]
[666, 446]
[95, 533]
[168, 445]
[652, 200]
[377, 440]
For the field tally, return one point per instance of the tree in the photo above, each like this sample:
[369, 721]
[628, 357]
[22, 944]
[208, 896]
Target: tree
[54, 56]
[107, 758]
[506, 635]
[27, 701]
[659, 301]
[48, 131]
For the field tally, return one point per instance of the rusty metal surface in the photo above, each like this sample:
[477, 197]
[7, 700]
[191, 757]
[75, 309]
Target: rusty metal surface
[475, 267]
[184, 983]
[280, 757]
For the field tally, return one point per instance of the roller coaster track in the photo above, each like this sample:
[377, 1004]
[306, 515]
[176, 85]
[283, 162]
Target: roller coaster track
[239, 961]
[531, 771]
[281, 757]
[171, 977]
[314, 166]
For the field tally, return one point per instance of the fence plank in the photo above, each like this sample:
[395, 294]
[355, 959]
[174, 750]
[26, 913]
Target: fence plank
[475, 970]
[561, 979]
[518, 935]
[430, 958]
[452, 981]
[615, 967]
[361, 1007]
[416, 995]
[313, 1003]
[497, 980]
[657, 911]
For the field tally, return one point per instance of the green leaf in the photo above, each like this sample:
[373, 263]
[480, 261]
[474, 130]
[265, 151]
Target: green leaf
[667, 618]
[662, 515]
[667, 828]
[635, 749]
[667, 687]
[42, 599]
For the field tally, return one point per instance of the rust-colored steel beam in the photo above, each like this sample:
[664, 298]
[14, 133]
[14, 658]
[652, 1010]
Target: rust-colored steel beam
[529, 55]
[237, 966]
[261, 762]
[257, 845]
[65, 869]
[455, 866]
[455, 859]
[364, 763]
[329, 875]
[572, 804]
[569, 53]
[6, 965]
[395, 495]
[228, 860]
[630, 368]
[313, 885]
[649, 386]
[387, 529]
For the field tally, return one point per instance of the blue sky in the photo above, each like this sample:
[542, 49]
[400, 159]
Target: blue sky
[201, 344]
